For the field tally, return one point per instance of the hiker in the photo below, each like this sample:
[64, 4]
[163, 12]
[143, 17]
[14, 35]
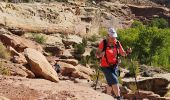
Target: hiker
[108, 51]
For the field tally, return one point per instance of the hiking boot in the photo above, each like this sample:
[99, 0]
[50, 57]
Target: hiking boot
[119, 98]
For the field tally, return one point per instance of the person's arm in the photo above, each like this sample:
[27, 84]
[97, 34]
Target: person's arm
[122, 52]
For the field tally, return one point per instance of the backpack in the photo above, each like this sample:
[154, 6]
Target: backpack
[57, 68]
[105, 47]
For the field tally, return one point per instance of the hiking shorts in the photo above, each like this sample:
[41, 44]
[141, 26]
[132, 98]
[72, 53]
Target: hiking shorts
[111, 74]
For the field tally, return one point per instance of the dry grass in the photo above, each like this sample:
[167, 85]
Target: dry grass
[4, 52]
[4, 70]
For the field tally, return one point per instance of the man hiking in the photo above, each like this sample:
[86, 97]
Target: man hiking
[108, 52]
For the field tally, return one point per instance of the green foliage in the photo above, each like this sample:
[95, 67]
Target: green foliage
[79, 48]
[128, 37]
[103, 32]
[4, 70]
[137, 24]
[84, 41]
[39, 38]
[4, 52]
[133, 67]
[85, 60]
[150, 45]
[159, 22]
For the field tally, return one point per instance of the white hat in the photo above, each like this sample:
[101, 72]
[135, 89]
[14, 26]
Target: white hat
[112, 32]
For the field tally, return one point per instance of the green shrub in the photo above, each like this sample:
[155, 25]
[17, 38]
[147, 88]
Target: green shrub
[79, 48]
[159, 22]
[39, 38]
[137, 24]
[4, 52]
[85, 60]
[84, 41]
[4, 70]
[133, 67]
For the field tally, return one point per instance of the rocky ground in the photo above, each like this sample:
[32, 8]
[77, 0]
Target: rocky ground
[18, 88]
[31, 64]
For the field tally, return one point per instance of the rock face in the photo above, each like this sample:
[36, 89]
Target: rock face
[156, 84]
[148, 95]
[39, 65]
[46, 18]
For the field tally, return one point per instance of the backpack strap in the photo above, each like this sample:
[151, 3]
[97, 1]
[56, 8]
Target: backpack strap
[104, 49]
[104, 45]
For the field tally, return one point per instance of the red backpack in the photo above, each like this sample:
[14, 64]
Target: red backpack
[105, 47]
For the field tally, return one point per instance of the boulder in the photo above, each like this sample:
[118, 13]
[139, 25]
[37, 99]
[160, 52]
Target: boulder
[54, 50]
[66, 69]
[85, 70]
[72, 40]
[78, 74]
[73, 62]
[16, 31]
[156, 84]
[18, 43]
[39, 65]
[19, 59]
[66, 54]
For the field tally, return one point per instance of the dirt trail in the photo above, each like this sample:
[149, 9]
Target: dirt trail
[17, 88]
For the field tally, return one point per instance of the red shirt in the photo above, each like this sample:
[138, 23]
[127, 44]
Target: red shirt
[111, 53]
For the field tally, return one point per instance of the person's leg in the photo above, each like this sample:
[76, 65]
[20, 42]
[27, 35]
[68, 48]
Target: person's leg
[116, 89]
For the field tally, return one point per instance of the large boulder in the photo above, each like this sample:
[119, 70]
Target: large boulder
[156, 84]
[39, 65]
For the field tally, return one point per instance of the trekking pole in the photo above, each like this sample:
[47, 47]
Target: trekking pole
[97, 78]
[134, 75]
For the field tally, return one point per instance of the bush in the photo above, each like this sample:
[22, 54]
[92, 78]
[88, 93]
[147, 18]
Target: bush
[39, 38]
[137, 24]
[3, 52]
[159, 22]
[150, 45]
[84, 41]
[4, 70]
[79, 48]
[85, 60]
